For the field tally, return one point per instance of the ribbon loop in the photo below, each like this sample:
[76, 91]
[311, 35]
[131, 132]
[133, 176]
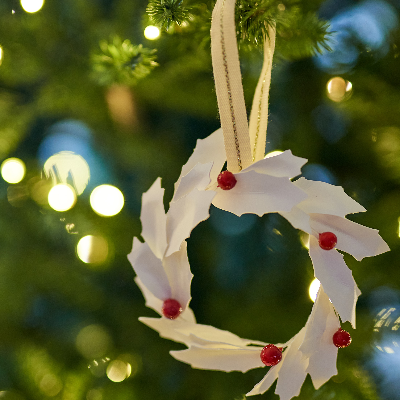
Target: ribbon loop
[228, 84]
[259, 110]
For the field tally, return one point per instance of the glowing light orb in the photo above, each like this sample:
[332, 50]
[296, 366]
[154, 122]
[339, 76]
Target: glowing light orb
[32, 6]
[92, 249]
[313, 289]
[118, 370]
[61, 197]
[152, 32]
[1, 55]
[13, 170]
[93, 341]
[106, 200]
[65, 165]
[338, 89]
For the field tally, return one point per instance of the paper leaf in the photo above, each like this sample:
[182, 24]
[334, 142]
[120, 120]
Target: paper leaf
[207, 334]
[322, 317]
[324, 198]
[336, 279]
[197, 178]
[149, 269]
[318, 341]
[293, 371]
[184, 214]
[355, 239]
[258, 194]
[322, 364]
[177, 269]
[295, 368]
[208, 150]
[167, 327]
[151, 300]
[299, 219]
[266, 382]
[282, 165]
[153, 219]
[221, 359]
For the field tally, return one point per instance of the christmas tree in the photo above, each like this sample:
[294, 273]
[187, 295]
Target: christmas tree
[117, 93]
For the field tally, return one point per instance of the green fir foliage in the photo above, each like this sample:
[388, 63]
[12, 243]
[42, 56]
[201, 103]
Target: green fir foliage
[121, 62]
[299, 32]
[165, 13]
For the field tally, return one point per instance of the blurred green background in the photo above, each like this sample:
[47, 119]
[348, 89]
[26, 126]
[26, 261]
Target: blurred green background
[69, 326]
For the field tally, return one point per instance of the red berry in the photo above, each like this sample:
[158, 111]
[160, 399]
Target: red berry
[341, 338]
[226, 180]
[271, 355]
[171, 309]
[327, 240]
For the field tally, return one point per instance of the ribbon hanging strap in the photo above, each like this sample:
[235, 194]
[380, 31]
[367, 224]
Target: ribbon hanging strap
[259, 110]
[228, 84]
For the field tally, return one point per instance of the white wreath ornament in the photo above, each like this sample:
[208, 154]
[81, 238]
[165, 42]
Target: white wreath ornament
[261, 185]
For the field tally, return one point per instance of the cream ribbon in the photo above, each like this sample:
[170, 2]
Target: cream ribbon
[259, 111]
[242, 148]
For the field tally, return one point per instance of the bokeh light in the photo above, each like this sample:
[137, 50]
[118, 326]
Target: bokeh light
[61, 197]
[93, 341]
[69, 168]
[32, 6]
[338, 89]
[151, 32]
[107, 200]
[313, 289]
[1, 55]
[94, 394]
[92, 249]
[50, 385]
[13, 170]
[118, 370]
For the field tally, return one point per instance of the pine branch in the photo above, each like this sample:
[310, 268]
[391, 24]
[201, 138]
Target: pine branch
[165, 13]
[121, 62]
[299, 34]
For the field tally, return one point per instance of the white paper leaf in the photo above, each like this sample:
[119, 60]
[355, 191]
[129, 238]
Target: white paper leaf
[258, 194]
[221, 359]
[153, 219]
[151, 301]
[266, 382]
[293, 371]
[299, 219]
[324, 198]
[197, 178]
[149, 269]
[336, 279]
[322, 365]
[355, 239]
[207, 334]
[184, 214]
[322, 317]
[318, 341]
[177, 269]
[208, 150]
[167, 327]
[282, 165]
[295, 368]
